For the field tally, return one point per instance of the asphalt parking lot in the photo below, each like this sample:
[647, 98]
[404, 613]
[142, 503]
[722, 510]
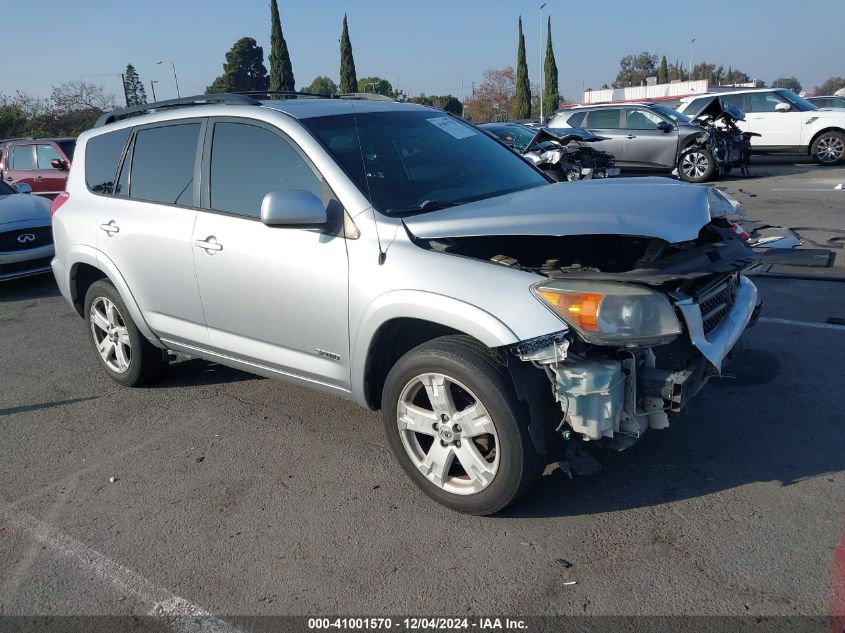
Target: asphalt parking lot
[232, 494]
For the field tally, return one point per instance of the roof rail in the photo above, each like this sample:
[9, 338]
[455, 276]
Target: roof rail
[283, 93]
[368, 96]
[227, 98]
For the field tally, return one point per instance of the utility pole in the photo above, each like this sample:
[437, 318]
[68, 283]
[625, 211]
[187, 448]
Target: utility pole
[125, 92]
[691, 42]
[153, 83]
[175, 78]
[540, 67]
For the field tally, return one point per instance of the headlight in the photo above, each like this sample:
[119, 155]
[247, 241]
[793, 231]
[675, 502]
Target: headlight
[609, 313]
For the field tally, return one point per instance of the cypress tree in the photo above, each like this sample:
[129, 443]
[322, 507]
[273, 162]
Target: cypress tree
[551, 94]
[281, 71]
[663, 72]
[135, 93]
[522, 98]
[348, 79]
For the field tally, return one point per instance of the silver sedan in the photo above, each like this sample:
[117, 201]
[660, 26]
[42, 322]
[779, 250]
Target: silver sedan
[26, 234]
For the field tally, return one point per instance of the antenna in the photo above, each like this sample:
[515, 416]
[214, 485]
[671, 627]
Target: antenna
[382, 254]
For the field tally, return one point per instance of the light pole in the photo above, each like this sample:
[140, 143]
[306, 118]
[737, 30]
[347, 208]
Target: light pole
[691, 42]
[175, 78]
[541, 62]
[153, 83]
[461, 77]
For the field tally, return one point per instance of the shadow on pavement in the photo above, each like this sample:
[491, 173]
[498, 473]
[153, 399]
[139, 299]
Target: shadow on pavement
[739, 432]
[36, 287]
[43, 405]
[196, 371]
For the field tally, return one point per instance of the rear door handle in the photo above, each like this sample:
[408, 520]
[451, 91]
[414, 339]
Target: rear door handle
[209, 244]
[631, 136]
[110, 228]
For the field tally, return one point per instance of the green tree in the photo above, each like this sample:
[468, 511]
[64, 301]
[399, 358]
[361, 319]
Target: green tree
[348, 79]
[375, 85]
[444, 102]
[522, 101]
[244, 69]
[322, 85]
[135, 93]
[551, 93]
[663, 72]
[281, 71]
[633, 69]
[830, 86]
[12, 121]
[790, 83]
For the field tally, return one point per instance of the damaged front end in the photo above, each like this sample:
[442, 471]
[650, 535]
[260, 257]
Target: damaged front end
[645, 321]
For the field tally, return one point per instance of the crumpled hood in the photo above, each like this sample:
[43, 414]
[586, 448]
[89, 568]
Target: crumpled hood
[645, 207]
[19, 207]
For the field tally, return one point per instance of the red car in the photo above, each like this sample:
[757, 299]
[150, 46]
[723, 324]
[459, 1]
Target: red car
[42, 163]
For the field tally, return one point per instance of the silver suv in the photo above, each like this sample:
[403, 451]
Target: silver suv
[394, 255]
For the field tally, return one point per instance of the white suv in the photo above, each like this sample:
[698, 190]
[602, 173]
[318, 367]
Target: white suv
[785, 123]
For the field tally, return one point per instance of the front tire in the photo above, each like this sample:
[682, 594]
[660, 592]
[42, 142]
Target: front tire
[456, 427]
[829, 148]
[123, 352]
[696, 165]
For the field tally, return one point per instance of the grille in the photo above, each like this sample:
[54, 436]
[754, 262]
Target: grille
[716, 303]
[32, 264]
[19, 239]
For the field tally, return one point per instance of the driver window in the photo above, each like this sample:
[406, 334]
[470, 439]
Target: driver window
[638, 119]
[764, 102]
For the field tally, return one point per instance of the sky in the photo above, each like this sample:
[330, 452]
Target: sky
[423, 46]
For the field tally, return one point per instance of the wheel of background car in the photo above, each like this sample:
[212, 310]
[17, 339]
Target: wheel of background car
[454, 424]
[696, 165]
[125, 355]
[829, 148]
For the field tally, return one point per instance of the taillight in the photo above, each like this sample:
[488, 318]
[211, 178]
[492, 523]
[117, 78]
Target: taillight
[736, 228]
[58, 202]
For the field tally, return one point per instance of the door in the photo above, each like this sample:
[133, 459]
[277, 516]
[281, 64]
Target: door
[145, 229]
[607, 122]
[273, 296]
[20, 163]
[50, 180]
[646, 144]
[777, 128]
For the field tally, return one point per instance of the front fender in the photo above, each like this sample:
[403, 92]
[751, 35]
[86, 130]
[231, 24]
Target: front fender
[426, 306]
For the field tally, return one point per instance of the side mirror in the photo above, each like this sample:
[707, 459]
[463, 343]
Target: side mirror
[665, 127]
[58, 163]
[295, 207]
[783, 107]
[23, 187]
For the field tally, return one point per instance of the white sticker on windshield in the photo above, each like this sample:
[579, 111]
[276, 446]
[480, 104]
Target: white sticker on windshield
[452, 127]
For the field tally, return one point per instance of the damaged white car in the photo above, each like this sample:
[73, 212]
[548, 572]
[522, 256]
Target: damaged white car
[396, 256]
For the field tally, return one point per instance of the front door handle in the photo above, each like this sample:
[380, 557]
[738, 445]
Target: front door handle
[210, 245]
[110, 228]
[39, 178]
[631, 136]
[9, 178]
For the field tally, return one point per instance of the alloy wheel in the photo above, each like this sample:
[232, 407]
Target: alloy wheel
[448, 434]
[110, 335]
[694, 164]
[830, 149]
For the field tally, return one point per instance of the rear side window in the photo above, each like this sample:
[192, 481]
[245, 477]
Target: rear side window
[577, 119]
[163, 164]
[248, 162]
[102, 153]
[738, 101]
[604, 119]
[20, 157]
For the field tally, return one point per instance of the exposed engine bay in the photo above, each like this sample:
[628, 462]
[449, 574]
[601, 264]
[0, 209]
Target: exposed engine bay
[649, 322]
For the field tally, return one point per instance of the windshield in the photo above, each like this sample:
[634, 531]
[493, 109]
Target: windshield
[800, 103]
[6, 190]
[676, 116]
[420, 160]
[515, 135]
[68, 147]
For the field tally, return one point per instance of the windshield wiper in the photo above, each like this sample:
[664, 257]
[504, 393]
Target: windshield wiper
[428, 205]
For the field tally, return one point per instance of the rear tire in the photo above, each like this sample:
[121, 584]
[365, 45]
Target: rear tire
[123, 352]
[696, 165]
[829, 148]
[456, 427]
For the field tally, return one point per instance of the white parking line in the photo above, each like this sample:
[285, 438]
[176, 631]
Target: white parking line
[813, 324]
[177, 613]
